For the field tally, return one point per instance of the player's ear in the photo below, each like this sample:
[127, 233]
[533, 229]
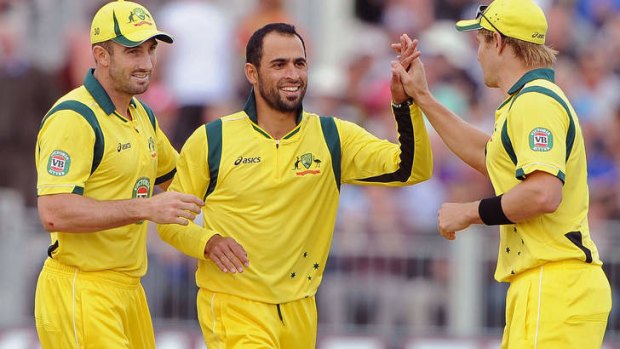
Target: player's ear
[251, 73]
[500, 42]
[101, 55]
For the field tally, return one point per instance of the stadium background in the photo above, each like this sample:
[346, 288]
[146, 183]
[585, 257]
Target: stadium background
[391, 281]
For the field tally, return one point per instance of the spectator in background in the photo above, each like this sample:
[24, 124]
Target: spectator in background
[265, 11]
[25, 93]
[198, 70]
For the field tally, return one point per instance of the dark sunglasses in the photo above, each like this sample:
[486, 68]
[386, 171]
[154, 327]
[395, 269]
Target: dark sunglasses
[480, 13]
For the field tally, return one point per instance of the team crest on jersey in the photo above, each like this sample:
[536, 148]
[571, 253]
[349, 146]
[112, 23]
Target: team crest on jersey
[541, 139]
[307, 164]
[152, 147]
[142, 188]
[58, 163]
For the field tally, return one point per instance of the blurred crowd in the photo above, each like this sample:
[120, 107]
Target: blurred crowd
[45, 52]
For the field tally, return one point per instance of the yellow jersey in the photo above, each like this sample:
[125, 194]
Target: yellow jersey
[85, 147]
[279, 198]
[536, 129]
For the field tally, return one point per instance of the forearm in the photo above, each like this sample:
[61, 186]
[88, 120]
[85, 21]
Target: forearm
[190, 240]
[464, 140]
[422, 154]
[73, 213]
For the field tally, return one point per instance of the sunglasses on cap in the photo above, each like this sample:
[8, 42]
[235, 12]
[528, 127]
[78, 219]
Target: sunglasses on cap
[480, 13]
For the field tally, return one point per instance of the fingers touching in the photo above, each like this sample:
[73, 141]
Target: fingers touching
[227, 254]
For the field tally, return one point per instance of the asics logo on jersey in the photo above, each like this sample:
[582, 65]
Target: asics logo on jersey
[120, 147]
[243, 160]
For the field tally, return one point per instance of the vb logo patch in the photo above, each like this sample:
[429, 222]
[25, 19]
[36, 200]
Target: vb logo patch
[142, 188]
[541, 139]
[58, 163]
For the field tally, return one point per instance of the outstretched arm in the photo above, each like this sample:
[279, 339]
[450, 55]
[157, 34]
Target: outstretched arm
[74, 213]
[464, 140]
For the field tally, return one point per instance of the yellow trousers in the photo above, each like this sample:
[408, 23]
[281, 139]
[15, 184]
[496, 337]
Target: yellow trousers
[558, 305]
[98, 310]
[229, 322]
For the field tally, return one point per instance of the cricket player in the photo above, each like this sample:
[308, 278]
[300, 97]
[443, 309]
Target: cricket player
[271, 175]
[99, 155]
[559, 296]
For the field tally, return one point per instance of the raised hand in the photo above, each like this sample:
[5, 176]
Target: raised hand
[406, 50]
[227, 254]
[409, 68]
[172, 207]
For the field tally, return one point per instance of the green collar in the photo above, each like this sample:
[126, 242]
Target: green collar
[250, 109]
[99, 94]
[540, 73]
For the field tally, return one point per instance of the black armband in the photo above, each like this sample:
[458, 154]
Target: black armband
[491, 212]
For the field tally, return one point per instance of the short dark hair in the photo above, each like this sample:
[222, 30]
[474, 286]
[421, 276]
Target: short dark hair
[254, 48]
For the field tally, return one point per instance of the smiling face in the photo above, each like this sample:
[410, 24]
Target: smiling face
[130, 68]
[282, 76]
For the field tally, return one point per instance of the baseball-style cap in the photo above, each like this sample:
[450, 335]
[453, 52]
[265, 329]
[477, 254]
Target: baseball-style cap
[126, 23]
[519, 19]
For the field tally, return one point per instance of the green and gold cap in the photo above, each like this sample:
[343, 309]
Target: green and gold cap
[126, 23]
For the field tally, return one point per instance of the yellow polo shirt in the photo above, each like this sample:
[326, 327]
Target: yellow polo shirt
[85, 147]
[279, 198]
[536, 129]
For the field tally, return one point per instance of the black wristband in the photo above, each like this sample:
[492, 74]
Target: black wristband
[406, 103]
[491, 212]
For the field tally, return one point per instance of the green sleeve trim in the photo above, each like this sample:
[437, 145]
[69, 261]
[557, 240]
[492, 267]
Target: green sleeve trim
[78, 190]
[332, 138]
[562, 176]
[214, 141]
[520, 174]
[90, 117]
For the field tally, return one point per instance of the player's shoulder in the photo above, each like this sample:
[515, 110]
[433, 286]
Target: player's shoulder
[236, 117]
[541, 87]
[77, 104]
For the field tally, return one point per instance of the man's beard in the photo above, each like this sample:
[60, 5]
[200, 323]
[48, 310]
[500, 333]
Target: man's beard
[123, 84]
[273, 99]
